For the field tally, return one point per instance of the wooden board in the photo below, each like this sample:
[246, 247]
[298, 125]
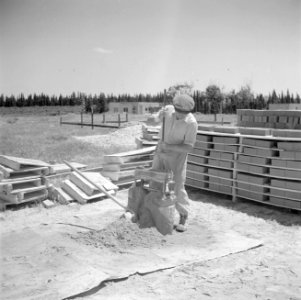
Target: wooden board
[126, 166]
[62, 197]
[9, 187]
[25, 172]
[96, 178]
[18, 163]
[79, 195]
[38, 194]
[115, 176]
[148, 174]
[62, 168]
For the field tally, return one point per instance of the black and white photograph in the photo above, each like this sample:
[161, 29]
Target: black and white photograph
[150, 149]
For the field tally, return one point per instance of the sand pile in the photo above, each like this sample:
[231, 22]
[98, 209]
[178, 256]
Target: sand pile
[122, 137]
[122, 235]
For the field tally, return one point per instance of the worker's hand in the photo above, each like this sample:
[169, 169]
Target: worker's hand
[163, 147]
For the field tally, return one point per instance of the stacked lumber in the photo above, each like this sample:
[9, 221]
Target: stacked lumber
[150, 136]
[279, 119]
[21, 180]
[77, 188]
[120, 167]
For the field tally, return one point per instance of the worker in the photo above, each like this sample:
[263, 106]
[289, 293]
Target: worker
[177, 138]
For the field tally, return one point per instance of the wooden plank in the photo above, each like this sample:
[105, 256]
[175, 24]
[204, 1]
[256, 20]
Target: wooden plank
[115, 176]
[96, 178]
[62, 197]
[80, 196]
[130, 156]
[25, 172]
[126, 166]
[148, 174]
[62, 168]
[17, 163]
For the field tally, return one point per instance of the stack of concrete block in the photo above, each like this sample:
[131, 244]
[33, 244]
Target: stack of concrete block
[220, 181]
[285, 193]
[197, 176]
[285, 119]
[150, 136]
[120, 167]
[252, 187]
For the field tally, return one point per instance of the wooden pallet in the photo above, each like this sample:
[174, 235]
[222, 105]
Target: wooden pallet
[18, 163]
[62, 168]
[24, 195]
[79, 195]
[12, 186]
[8, 174]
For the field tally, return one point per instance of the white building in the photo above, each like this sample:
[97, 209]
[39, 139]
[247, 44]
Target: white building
[285, 106]
[134, 107]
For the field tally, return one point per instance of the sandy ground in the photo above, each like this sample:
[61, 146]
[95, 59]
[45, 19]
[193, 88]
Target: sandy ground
[272, 271]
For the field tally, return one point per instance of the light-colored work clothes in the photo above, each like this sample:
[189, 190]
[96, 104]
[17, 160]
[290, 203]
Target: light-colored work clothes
[176, 132]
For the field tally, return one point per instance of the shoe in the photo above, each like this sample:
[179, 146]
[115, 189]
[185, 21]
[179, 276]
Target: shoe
[181, 226]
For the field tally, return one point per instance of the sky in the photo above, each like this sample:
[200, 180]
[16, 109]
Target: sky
[145, 46]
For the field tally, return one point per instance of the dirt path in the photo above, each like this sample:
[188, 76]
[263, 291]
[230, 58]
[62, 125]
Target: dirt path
[272, 271]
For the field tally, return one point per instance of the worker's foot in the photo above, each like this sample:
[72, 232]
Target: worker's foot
[181, 226]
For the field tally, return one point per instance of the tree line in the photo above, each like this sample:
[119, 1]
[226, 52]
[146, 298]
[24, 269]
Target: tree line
[210, 101]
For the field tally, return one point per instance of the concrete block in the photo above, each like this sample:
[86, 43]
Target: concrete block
[255, 131]
[231, 148]
[260, 160]
[214, 180]
[197, 168]
[243, 193]
[244, 158]
[218, 139]
[277, 172]
[278, 183]
[265, 144]
[294, 185]
[257, 179]
[227, 156]
[287, 155]
[289, 146]
[226, 182]
[206, 127]
[243, 167]
[293, 195]
[231, 140]
[277, 192]
[292, 204]
[220, 147]
[213, 171]
[215, 154]
[293, 164]
[213, 162]
[258, 170]
[244, 186]
[196, 176]
[293, 174]
[276, 200]
[249, 151]
[200, 152]
[287, 133]
[202, 145]
[48, 203]
[249, 142]
[225, 174]
[196, 183]
[197, 159]
[225, 189]
[266, 152]
[243, 177]
[213, 186]
[204, 138]
[226, 164]
[226, 129]
[279, 163]
[257, 196]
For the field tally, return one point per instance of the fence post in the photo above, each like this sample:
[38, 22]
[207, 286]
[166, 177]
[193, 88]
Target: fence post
[118, 120]
[126, 117]
[92, 118]
[61, 121]
[104, 118]
[81, 119]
